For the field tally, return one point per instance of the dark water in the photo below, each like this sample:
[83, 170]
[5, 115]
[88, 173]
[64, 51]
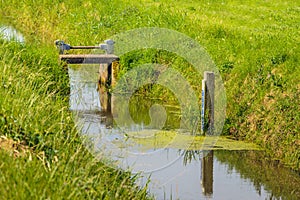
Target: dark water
[174, 173]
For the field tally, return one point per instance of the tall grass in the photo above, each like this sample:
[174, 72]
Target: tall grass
[254, 44]
[34, 110]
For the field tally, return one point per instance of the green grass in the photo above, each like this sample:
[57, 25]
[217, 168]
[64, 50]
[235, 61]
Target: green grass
[76, 176]
[34, 110]
[255, 45]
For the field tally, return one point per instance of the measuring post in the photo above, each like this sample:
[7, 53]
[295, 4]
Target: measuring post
[203, 107]
[208, 99]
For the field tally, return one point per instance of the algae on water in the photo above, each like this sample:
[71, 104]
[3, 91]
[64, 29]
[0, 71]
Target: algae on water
[156, 139]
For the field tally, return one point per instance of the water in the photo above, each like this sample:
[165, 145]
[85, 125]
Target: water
[173, 173]
[10, 34]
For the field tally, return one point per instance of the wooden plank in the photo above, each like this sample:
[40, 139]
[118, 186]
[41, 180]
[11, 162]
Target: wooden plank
[85, 47]
[88, 58]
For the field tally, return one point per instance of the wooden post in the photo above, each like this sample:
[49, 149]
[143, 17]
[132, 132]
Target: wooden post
[203, 107]
[102, 87]
[105, 77]
[208, 99]
[114, 72]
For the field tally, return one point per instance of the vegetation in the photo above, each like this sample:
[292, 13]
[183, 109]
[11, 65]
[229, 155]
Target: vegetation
[50, 159]
[170, 139]
[255, 45]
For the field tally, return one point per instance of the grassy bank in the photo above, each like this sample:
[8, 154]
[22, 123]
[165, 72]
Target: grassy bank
[255, 45]
[48, 160]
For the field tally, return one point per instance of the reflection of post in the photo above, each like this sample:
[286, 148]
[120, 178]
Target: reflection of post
[108, 120]
[207, 173]
[107, 74]
[104, 82]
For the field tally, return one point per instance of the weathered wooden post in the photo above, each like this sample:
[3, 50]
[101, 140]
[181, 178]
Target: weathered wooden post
[207, 119]
[203, 107]
[207, 107]
[107, 74]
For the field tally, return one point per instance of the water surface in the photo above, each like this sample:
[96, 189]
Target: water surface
[11, 34]
[174, 173]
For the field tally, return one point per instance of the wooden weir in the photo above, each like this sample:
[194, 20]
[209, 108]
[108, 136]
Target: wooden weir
[108, 67]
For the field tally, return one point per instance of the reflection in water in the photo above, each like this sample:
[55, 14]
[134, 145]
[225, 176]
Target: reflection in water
[9, 33]
[175, 173]
[207, 165]
[207, 173]
[282, 183]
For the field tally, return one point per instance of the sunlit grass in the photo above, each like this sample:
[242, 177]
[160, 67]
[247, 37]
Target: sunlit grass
[255, 45]
[34, 111]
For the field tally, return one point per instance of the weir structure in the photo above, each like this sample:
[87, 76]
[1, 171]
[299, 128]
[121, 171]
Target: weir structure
[108, 69]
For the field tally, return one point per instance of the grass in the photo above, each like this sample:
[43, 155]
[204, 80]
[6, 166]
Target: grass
[77, 177]
[52, 163]
[255, 46]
